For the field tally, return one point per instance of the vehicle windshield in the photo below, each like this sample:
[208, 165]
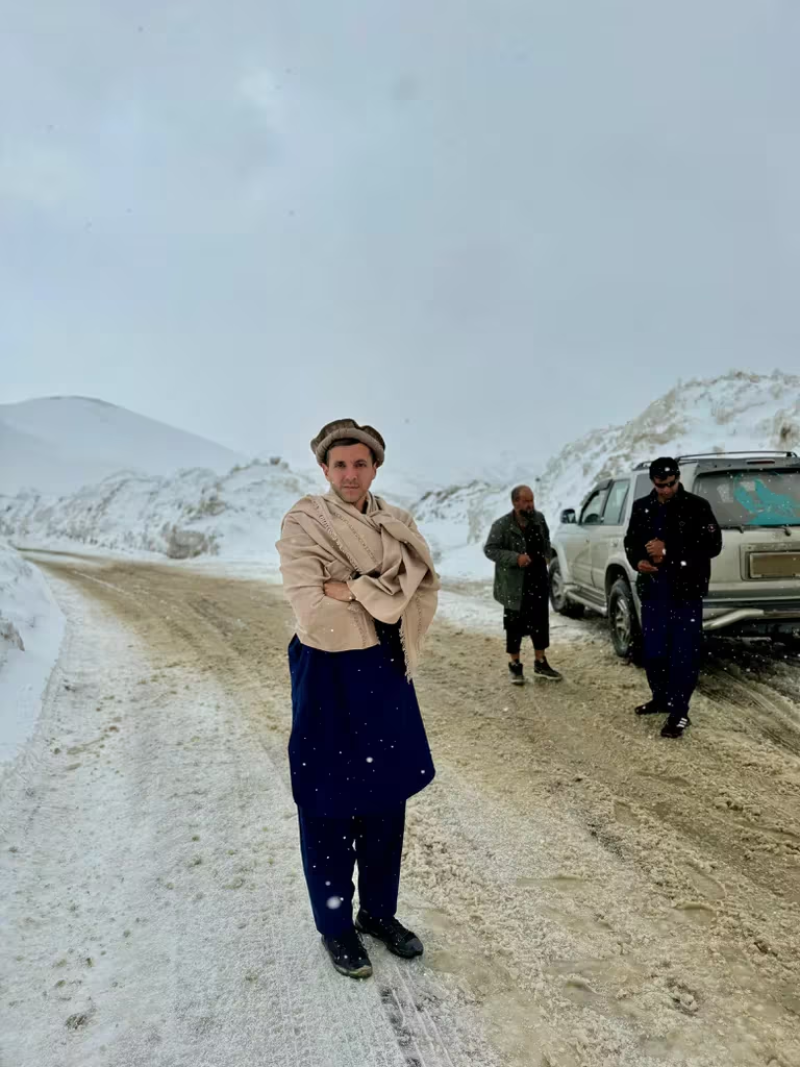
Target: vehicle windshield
[752, 498]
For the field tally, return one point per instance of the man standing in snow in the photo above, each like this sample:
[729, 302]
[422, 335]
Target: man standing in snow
[519, 546]
[361, 582]
[672, 538]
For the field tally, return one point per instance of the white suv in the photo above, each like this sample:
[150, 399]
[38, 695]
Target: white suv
[755, 582]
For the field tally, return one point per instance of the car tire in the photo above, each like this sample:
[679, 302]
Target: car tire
[562, 605]
[791, 642]
[626, 635]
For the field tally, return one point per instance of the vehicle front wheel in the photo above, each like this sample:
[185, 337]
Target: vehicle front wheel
[625, 632]
[558, 596]
[790, 641]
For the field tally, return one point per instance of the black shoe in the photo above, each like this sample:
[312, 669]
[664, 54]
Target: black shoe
[517, 676]
[652, 707]
[398, 939]
[675, 725]
[348, 955]
[542, 669]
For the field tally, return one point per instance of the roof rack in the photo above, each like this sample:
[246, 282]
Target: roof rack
[741, 452]
[645, 464]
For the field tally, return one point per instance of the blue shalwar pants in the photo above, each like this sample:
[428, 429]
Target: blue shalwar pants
[330, 847]
[672, 634]
[357, 752]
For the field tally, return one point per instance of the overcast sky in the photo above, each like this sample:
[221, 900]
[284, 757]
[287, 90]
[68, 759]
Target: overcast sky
[482, 226]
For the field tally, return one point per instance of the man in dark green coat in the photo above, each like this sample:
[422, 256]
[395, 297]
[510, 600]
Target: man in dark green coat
[519, 546]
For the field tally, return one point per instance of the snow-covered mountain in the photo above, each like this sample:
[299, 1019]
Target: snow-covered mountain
[237, 515]
[398, 486]
[192, 513]
[732, 412]
[736, 411]
[56, 445]
[83, 471]
[456, 520]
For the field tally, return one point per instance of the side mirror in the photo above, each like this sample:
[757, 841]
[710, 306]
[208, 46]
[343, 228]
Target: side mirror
[568, 516]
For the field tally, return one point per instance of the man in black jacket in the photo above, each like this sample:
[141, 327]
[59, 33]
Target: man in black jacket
[671, 540]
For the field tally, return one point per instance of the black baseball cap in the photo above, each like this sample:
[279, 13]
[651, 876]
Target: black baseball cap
[664, 467]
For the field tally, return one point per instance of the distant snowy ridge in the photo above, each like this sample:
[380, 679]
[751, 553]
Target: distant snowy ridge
[237, 515]
[735, 411]
[56, 445]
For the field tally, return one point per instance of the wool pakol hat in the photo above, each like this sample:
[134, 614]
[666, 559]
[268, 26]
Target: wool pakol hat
[348, 429]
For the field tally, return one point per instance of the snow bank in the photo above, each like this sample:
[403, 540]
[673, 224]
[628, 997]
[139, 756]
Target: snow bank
[193, 513]
[737, 411]
[236, 516]
[31, 628]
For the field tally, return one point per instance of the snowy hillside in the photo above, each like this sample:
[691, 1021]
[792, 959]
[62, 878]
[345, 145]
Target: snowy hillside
[458, 516]
[397, 485]
[237, 515]
[31, 627]
[192, 513]
[56, 445]
[736, 411]
[732, 412]
[456, 520]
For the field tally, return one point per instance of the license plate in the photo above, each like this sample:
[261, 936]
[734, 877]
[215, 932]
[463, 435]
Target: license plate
[775, 565]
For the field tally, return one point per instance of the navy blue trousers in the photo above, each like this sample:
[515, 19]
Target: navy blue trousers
[358, 744]
[672, 635]
[330, 848]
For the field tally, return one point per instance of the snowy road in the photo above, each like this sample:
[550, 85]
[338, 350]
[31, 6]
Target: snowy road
[588, 894]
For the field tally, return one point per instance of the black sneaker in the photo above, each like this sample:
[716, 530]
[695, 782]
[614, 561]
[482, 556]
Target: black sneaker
[398, 939]
[517, 676]
[685, 716]
[652, 707]
[542, 669]
[348, 955]
[675, 725]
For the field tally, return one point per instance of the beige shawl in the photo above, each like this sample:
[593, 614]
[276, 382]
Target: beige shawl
[382, 557]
